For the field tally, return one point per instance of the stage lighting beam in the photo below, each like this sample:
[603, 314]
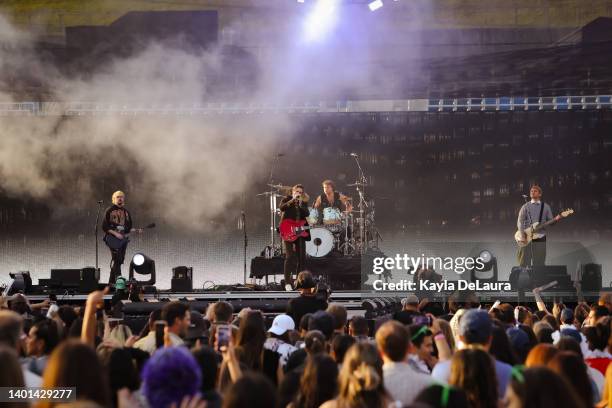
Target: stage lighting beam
[375, 5]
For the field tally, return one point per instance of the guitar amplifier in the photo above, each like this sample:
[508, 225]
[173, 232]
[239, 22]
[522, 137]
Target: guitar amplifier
[182, 279]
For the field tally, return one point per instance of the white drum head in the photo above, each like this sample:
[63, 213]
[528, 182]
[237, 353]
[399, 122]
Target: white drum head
[321, 242]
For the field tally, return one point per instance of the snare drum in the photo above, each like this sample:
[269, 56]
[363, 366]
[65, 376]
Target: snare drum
[331, 216]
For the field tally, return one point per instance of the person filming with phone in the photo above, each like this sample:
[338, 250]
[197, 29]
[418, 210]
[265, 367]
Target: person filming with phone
[177, 318]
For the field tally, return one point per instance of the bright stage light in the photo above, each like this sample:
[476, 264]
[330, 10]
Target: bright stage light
[375, 5]
[321, 20]
[138, 259]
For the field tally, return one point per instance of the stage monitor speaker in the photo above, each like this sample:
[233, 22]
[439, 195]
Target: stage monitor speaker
[591, 277]
[70, 278]
[520, 279]
[541, 275]
[89, 279]
[182, 279]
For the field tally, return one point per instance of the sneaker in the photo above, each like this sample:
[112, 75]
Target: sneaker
[288, 288]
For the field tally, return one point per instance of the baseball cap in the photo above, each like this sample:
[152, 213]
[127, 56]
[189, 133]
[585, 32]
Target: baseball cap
[518, 338]
[120, 283]
[197, 328]
[281, 324]
[475, 326]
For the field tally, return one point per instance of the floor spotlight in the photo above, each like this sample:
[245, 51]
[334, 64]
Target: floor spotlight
[142, 265]
[486, 269]
[375, 5]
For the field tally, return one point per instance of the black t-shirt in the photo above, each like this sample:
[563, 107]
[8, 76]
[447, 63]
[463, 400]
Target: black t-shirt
[302, 305]
[293, 210]
[118, 219]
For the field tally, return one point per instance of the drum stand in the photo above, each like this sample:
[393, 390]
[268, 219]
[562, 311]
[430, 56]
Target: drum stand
[360, 185]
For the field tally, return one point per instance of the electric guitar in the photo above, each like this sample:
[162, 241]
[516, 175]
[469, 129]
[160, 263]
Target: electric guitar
[113, 242]
[531, 232]
[290, 230]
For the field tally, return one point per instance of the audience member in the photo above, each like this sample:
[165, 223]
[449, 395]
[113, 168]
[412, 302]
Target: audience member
[339, 314]
[339, 346]
[402, 381]
[11, 374]
[473, 371]
[319, 382]
[359, 328]
[571, 366]
[361, 383]
[252, 390]
[308, 301]
[475, 330]
[75, 364]
[11, 331]
[539, 387]
[442, 396]
[420, 351]
[170, 375]
[208, 360]
[42, 339]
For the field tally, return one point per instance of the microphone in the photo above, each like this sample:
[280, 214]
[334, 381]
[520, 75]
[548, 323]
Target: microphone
[354, 154]
[524, 196]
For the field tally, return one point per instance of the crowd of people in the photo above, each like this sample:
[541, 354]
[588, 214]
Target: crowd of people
[457, 354]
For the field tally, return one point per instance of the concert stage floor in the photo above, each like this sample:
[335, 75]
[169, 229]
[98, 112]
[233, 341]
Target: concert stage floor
[336, 296]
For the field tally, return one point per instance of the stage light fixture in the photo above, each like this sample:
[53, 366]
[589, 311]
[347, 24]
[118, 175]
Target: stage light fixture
[321, 20]
[489, 266]
[375, 5]
[142, 265]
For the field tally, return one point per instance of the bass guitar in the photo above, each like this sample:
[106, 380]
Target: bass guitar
[531, 232]
[113, 242]
[290, 230]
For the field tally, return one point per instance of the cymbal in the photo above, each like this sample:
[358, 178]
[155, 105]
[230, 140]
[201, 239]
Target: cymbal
[357, 184]
[270, 193]
[280, 186]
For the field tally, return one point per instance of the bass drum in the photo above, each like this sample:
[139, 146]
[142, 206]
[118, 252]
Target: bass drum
[321, 242]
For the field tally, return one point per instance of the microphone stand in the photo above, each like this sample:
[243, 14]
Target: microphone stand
[96, 233]
[362, 204]
[246, 244]
[273, 205]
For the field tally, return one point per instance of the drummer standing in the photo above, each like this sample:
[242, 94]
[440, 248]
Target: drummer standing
[332, 198]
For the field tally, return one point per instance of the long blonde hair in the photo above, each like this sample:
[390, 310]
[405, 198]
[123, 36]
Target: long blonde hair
[361, 378]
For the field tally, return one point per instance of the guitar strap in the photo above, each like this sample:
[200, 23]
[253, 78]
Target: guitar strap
[541, 212]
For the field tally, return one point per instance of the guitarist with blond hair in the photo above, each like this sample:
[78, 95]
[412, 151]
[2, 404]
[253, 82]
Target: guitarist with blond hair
[535, 210]
[294, 207]
[118, 223]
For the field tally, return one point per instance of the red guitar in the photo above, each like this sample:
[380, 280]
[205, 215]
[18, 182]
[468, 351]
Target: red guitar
[290, 230]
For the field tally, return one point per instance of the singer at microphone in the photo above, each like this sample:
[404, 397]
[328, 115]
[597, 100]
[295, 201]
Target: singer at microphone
[294, 207]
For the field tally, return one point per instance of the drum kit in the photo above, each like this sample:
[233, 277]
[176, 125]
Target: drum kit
[344, 232]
